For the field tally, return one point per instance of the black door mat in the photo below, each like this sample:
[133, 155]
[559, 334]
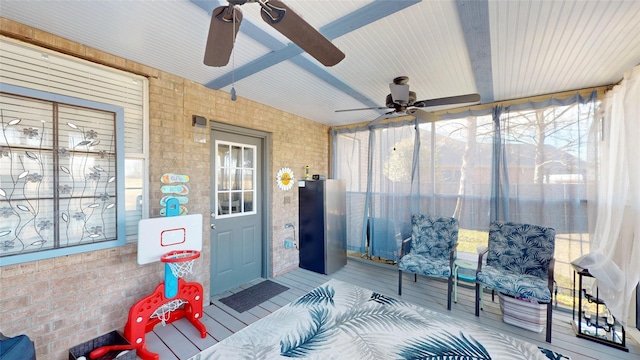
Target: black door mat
[253, 296]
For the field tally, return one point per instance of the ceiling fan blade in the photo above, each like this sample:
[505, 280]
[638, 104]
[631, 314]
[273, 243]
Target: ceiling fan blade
[291, 25]
[423, 115]
[461, 99]
[369, 108]
[382, 117]
[222, 33]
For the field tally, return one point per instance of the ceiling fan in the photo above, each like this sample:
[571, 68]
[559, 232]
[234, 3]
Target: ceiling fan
[401, 100]
[225, 21]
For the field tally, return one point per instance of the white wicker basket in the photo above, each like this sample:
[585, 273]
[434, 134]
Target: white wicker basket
[522, 313]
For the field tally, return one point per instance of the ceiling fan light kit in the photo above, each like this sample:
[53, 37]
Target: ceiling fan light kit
[399, 93]
[278, 15]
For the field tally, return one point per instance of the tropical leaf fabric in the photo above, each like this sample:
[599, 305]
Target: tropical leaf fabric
[518, 260]
[432, 240]
[354, 323]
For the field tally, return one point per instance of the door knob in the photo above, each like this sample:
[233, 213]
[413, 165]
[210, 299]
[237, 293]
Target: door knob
[213, 226]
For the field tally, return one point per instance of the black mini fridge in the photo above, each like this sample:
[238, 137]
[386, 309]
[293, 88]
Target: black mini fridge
[323, 225]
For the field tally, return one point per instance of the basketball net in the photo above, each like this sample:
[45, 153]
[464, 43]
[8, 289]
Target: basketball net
[180, 269]
[163, 313]
[180, 262]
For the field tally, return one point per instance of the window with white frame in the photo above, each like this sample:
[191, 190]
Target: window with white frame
[73, 159]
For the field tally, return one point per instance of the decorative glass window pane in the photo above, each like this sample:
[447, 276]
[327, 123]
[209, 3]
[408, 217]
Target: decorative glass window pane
[58, 174]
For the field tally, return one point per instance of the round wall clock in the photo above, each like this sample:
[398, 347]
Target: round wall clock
[285, 178]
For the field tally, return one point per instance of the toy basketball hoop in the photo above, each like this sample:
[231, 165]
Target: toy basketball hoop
[180, 261]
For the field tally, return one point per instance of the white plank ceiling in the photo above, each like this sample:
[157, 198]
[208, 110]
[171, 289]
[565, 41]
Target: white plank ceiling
[499, 49]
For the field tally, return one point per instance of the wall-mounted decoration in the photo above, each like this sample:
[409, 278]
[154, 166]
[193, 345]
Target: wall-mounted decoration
[174, 178]
[176, 188]
[285, 178]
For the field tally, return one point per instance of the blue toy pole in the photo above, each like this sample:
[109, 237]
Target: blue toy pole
[171, 281]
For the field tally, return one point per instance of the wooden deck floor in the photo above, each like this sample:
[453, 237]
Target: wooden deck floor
[181, 341]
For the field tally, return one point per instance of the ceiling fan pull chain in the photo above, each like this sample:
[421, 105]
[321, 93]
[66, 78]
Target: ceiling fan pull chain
[233, 65]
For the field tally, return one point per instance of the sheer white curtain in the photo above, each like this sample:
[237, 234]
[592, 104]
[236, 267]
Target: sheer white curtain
[350, 162]
[376, 161]
[615, 239]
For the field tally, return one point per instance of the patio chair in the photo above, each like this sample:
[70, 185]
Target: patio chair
[520, 263]
[430, 251]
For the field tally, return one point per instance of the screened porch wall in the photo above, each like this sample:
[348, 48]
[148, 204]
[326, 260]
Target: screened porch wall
[521, 165]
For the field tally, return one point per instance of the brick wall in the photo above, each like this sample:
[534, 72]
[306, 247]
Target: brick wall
[65, 301]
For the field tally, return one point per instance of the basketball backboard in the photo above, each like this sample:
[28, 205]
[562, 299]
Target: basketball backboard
[158, 236]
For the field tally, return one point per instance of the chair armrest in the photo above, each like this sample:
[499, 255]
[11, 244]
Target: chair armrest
[481, 254]
[406, 243]
[552, 264]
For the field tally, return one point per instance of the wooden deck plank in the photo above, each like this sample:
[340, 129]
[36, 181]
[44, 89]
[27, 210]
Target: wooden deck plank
[270, 306]
[245, 317]
[280, 300]
[223, 317]
[191, 333]
[181, 346]
[222, 321]
[259, 312]
[217, 331]
[157, 345]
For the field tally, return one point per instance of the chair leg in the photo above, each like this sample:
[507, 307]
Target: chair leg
[549, 322]
[399, 282]
[449, 293]
[455, 284]
[477, 299]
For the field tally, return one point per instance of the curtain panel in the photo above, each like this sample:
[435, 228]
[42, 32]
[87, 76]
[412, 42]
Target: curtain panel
[615, 200]
[524, 163]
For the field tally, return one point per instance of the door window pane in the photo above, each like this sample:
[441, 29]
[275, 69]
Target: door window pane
[247, 182]
[223, 203]
[235, 203]
[248, 158]
[234, 160]
[235, 178]
[248, 201]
